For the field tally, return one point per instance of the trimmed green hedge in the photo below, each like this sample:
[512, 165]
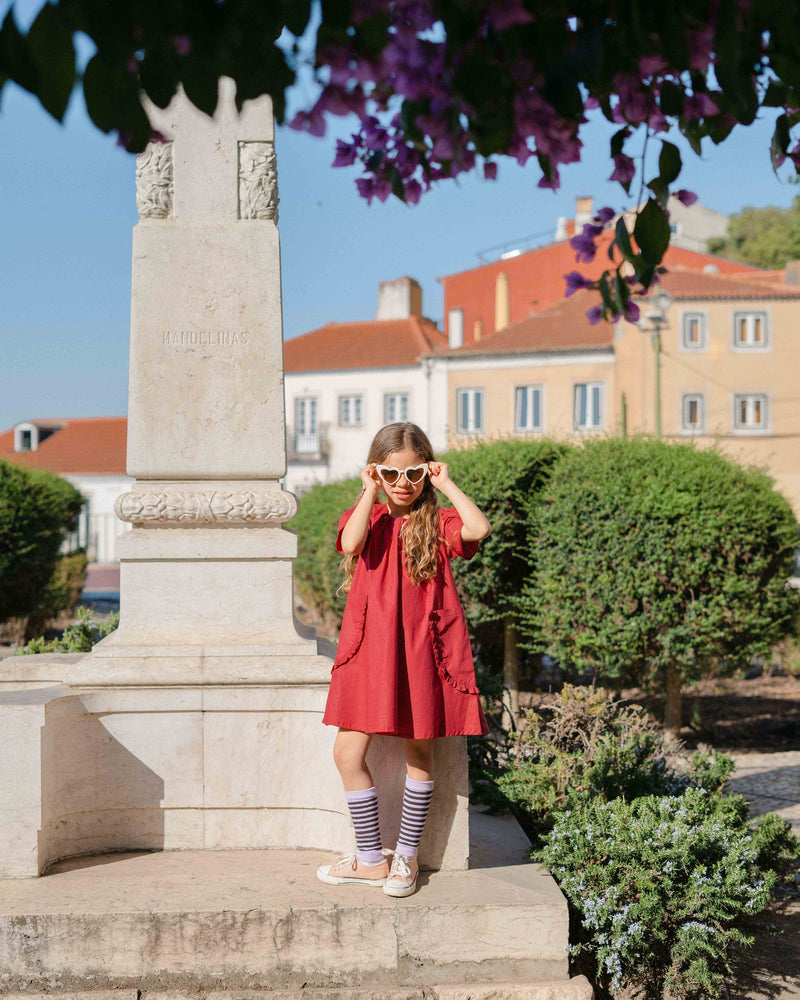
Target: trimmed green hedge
[37, 511]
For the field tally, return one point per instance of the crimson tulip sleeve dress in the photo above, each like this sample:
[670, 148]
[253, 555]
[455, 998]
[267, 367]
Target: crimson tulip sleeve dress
[404, 664]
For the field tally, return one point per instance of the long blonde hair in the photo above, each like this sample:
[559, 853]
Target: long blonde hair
[421, 527]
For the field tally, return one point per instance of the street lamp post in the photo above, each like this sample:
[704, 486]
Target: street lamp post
[657, 321]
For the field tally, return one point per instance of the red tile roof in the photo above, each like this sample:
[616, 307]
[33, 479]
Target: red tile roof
[685, 283]
[387, 343]
[86, 446]
[563, 327]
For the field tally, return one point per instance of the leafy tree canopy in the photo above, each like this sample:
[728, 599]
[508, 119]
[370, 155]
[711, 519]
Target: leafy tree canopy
[767, 237]
[442, 86]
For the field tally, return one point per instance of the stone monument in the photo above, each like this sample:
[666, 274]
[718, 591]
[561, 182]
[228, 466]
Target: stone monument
[197, 724]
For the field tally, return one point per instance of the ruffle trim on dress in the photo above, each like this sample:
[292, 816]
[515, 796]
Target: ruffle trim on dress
[352, 635]
[439, 624]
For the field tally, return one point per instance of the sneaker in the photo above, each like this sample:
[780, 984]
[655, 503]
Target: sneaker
[402, 879]
[350, 870]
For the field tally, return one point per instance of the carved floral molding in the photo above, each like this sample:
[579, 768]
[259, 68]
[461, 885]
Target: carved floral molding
[207, 508]
[258, 181]
[154, 186]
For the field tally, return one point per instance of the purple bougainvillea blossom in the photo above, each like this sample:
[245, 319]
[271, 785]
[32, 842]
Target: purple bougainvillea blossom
[595, 314]
[624, 169]
[685, 197]
[575, 281]
[632, 311]
[584, 243]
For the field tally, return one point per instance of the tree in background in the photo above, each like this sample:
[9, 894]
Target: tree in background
[439, 87]
[654, 560]
[505, 479]
[37, 511]
[766, 237]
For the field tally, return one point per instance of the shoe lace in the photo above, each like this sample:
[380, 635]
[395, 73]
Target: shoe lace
[347, 861]
[401, 866]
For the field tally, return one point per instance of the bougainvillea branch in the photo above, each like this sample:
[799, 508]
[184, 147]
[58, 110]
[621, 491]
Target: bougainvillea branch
[439, 87]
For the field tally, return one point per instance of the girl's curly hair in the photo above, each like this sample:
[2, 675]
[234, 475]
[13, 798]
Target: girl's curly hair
[420, 531]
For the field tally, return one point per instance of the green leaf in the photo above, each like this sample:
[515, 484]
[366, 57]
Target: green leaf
[776, 95]
[397, 185]
[15, 59]
[672, 98]
[618, 140]
[660, 190]
[623, 241]
[53, 55]
[669, 162]
[113, 101]
[781, 138]
[652, 232]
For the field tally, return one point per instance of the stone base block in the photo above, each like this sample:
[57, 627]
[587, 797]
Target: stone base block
[196, 923]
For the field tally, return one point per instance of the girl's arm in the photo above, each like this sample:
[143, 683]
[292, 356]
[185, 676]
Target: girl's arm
[475, 526]
[354, 533]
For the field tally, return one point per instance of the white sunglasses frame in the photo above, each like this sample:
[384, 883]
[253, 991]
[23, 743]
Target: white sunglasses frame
[404, 473]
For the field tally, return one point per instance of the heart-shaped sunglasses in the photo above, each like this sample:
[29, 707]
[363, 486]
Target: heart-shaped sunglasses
[414, 473]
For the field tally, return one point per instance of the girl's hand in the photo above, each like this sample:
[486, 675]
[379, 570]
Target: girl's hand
[439, 474]
[371, 479]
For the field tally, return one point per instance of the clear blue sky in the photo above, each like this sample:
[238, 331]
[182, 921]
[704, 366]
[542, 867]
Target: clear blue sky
[68, 207]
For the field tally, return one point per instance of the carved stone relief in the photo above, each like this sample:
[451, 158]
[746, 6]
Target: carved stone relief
[154, 187]
[207, 508]
[258, 181]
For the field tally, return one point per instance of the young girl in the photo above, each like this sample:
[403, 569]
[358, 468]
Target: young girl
[404, 664]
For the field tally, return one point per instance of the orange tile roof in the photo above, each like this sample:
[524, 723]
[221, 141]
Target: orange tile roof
[387, 343]
[563, 327]
[686, 283]
[86, 446]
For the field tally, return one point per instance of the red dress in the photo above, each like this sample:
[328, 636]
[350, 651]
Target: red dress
[404, 663]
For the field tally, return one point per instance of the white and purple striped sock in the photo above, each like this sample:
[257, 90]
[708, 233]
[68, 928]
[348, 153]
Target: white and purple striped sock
[416, 800]
[363, 806]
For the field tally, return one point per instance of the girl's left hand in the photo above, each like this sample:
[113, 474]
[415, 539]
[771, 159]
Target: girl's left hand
[439, 474]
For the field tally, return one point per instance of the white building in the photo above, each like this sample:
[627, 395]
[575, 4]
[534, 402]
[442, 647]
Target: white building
[344, 381]
[90, 453]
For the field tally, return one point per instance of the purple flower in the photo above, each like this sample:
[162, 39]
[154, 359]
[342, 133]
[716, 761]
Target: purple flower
[550, 183]
[624, 169]
[182, 44]
[584, 243]
[605, 214]
[631, 311]
[650, 65]
[699, 106]
[413, 191]
[345, 154]
[576, 280]
[700, 46]
[685, 197]
[366, 188]
[657, 122]
[490, 171]
[595, 314]
[443, 148]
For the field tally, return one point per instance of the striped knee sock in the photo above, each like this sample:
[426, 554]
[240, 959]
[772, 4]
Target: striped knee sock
[416, 800]
[363, 807]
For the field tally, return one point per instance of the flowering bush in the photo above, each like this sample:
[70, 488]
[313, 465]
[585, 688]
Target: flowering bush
[588, 746]
[660, 884]
[439, 88]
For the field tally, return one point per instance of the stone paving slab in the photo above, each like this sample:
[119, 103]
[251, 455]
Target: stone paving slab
[770, 782]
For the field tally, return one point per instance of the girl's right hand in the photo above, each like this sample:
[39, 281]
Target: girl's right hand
[371, 479]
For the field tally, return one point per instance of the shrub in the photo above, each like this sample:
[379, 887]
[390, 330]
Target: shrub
[37, 510]
[61, 594]
[652, 559]
[660, 884]
[79, 637]
[588, 746]
[317, 567]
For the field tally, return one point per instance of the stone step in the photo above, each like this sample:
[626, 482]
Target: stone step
[207, 925]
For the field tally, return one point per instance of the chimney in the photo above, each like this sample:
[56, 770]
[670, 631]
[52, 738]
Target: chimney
[501, 302]
[792, 272]
[584, 210]
[399, 299]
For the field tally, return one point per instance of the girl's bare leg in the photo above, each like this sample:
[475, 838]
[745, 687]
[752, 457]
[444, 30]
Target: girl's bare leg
[350, 757]
[419, 759]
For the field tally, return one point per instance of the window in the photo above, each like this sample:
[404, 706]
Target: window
[469, 410]
[588, 406]
[528, 408]
[395, 407]
[694, 331]
[750, 329]
[306, 438]
[693, 413]
[350, 411]
[25, 440]
[750, 411]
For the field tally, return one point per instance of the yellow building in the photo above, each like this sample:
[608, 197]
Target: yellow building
[729, 373]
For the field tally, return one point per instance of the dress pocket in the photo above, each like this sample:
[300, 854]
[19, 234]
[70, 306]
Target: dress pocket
[352, 635]
[451, 649]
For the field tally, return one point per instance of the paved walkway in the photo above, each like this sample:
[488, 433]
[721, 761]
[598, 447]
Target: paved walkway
[770, 782]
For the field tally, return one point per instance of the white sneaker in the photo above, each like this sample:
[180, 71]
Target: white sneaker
[402, 879]
[350, 870]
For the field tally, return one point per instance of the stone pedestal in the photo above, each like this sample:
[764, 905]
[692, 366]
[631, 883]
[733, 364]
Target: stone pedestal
[197, 723]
